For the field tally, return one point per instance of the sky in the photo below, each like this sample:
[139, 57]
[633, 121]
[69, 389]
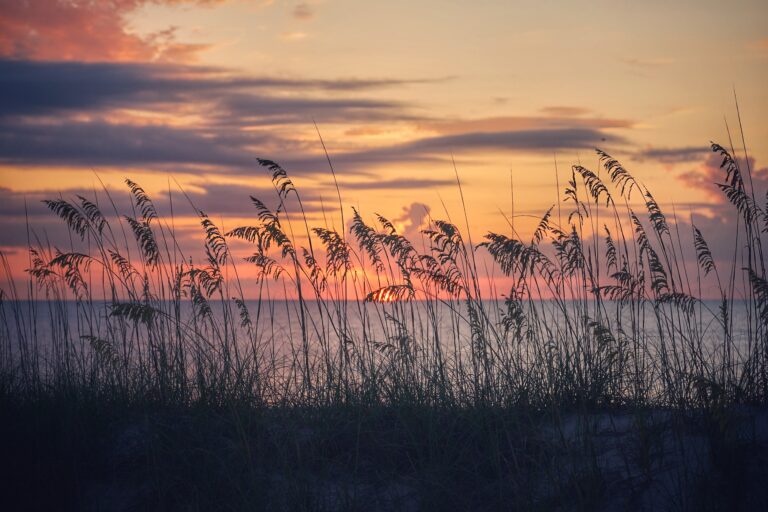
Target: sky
[185, 95]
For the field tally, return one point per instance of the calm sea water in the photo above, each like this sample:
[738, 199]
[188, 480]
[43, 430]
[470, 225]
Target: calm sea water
[278, 322]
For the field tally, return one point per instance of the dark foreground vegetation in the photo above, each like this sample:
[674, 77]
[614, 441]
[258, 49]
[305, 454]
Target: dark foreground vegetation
[61, 454]
[601, 380]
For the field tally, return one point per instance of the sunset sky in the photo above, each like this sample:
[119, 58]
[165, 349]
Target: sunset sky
[191, 93]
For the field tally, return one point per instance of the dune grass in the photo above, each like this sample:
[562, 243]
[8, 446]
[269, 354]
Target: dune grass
[605, 313]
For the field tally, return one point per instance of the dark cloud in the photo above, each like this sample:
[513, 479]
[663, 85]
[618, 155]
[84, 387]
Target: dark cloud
[233, 200]
[230, 199]
[399, 184]
[11, 203]
[59, 114]
[527, 140]
[561, 118]
[440, 148]
[100, 144]
[18, 210]
[672, 155]
[249, 109]
[42, 88]
[87, 144]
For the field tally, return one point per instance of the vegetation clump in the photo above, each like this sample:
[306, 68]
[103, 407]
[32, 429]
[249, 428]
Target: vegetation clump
[394, 382]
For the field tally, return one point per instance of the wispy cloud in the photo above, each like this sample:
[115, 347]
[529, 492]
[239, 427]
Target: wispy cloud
[135, 115]
[229, 201]
[254, 110]
[303, 11]
[523, 123]
[515, 140]
[672, 155]
[399, 184]
[101, 143]
[648, 62]
[564, 111]
[25, 87]
[294, 36]
[104, 144]
[760, 45]
[441, 148]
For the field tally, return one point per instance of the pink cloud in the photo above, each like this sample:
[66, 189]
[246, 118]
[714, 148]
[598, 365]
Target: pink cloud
[85, 31]
[760, 44]
[708, 173]
[303, 11]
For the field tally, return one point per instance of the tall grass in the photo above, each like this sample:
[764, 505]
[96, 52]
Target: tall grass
[606, 307]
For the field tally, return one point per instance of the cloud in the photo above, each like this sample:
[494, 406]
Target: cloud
[412, 220]
[532, 140]
[250, 109]
[229, 201]
[89, 144]
[564, 111]
[293, 36]
[399, 184]
[722, 233]
[672, 155]
[81, 121]
[233, 199]
[85, 31]
[648, 63]
[760, 45]
[303, 11]
[441, 148]
[101, 144]
[555, 118]
[708, 173]
[25, 88]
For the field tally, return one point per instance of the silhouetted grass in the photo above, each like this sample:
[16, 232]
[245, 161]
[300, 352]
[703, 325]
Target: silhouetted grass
[368, 401]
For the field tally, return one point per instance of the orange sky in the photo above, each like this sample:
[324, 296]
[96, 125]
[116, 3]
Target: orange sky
[190, 93]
